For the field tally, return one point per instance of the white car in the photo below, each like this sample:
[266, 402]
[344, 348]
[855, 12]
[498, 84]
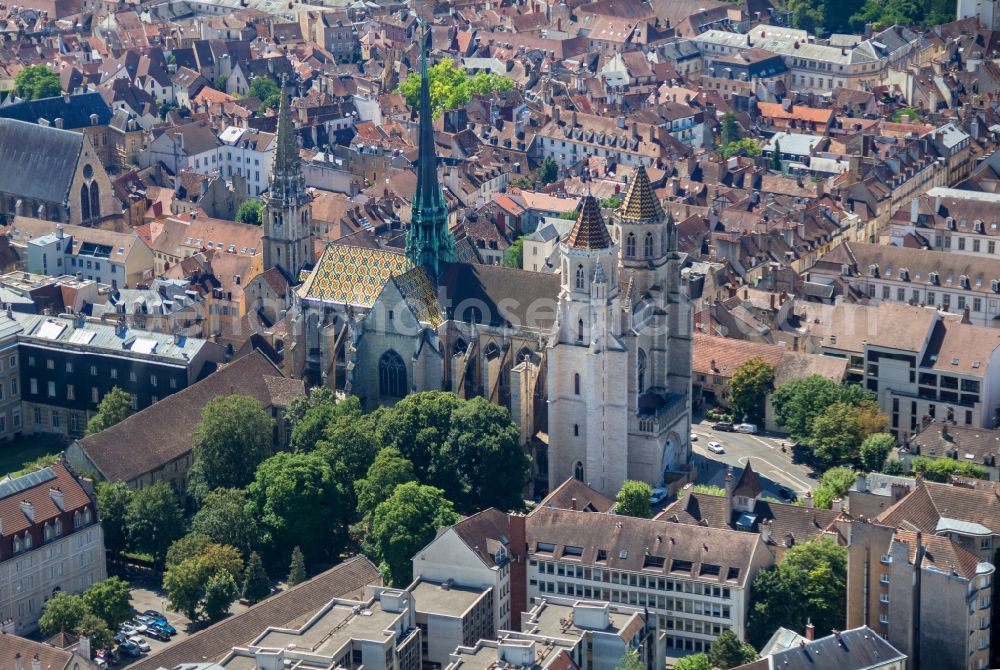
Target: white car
[716, 448]
[694, 437]
[659, 495]
[140, 642]
[749, 428]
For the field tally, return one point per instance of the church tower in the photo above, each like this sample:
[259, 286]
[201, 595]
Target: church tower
[288, 239]
[587, 362]
[428, 241]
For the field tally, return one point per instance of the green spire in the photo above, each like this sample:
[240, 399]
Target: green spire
[287, 182]
[428, 241]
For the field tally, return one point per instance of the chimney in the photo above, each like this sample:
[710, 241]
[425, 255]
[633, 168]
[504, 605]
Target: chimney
[965, 317]
[635, 130]
[36, 663]
[59, 123]
[772, 296]
[572, 504]
[861, 483]
[17, 661]
[29, 510]
[59, 231]
[730, 486]
[57, 497]
[84, 647]
[786, 105]
[810, 631]
[837, 505]
[765, 531]
[807, 500]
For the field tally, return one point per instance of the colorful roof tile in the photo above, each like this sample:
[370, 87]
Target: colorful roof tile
[589, 231]
[640, 204]
[417, 289]
[353, 275]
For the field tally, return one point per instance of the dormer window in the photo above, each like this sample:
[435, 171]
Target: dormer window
[27, 540]
[47, 531]
[86, 515]
[77, 519]
[18, 546]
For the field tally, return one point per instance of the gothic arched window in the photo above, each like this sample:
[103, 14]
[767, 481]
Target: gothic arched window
[647, 246]
[460, 346]
[84, 203]
[642, 370]
[95, 200]
[630, 245]
[579, 277]
[576, 383]
[578, 471]
[391, 375]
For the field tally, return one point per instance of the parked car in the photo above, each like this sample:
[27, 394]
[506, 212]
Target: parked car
[659, 495]
[153, 614]
[138, 626]
[716, 448]
[130, 649]
[166, 627]
[723, 425]
[157, 633]
[121, 638]
[126, 629]
[139, 642]
[750, 428]
[694, 437]
[786, 494]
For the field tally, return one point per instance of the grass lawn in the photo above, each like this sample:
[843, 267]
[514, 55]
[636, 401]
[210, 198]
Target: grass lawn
[15, 454]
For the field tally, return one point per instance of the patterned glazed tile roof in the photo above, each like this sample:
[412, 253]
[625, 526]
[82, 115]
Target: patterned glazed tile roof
[417, 289]
[589, 231]
[640, 204]
[353, 275]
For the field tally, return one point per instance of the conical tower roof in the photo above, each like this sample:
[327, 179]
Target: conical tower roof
[589, 231]
[286, 167]
[640, 203]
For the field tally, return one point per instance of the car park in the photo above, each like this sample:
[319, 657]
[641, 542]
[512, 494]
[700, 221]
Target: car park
[140, 642]
[659, 495]
[130, 649]
[157, 633]
[126, 629]
[156, 616]
[716, 448]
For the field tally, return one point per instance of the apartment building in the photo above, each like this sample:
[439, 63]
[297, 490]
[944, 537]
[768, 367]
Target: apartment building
[451, 616]
[51, 542]
[945, 439]
[946, 281]
[855, 649]
[11, 421]
[570, 137]
[244, 151]
[927, 595]
[950, 220]
[67, 365]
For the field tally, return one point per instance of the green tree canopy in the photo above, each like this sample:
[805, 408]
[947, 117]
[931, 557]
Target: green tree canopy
[220, 592]
[632, 660]
[404, 523]
[451, 87]
[263, 88]
[97, 630]
[693, 662]
[744, 147]
[729, 129]
[798, 402]
[633, 499]
[296, 501]
[154, 520]
[297, 568]
[108, 600]
[514, 257]
[37, 81]
[115, 407]
[112, 504]
[810, 584]
[194, 586]
[875, 450]
[251, 211]
[835, 483]
[226, 518]
[389, 470]
[728, 651]
[189, 546]
[548, 172]
[941, 469]
[749, 386]
[62, 612]
[318, 395]
[837, 433]
[234, 436]
[256, 585]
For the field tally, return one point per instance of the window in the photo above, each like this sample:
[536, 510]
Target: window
[132, 376]
[94, 396]
[641, 371]
[50, 364]
[114, 373]
[152, 380]
[52, 389]
[70, 394]
[93, 370]
[576, 383]
[69, 366]
[579, 277]
[977, 304]
[31, 361]
[12, 362]
[647, 245]
[391, 375]
[885, 292]
[579, 330]
[578, 472]
[984, 543]
[630, 245]
[135, 401]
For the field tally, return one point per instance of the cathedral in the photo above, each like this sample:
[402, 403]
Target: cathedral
[596, 358]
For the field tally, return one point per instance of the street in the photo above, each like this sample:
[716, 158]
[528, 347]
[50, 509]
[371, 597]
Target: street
[775, 468]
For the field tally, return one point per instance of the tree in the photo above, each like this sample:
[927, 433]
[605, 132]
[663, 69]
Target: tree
[514, 257]
[632, 660]
[296, 501]
[806, 15]
[749, 387]
[403, 524]
[693, 662]
[942, 469]
[798, 402]
[251, 211]
[728, 651]
[297, 568]
[37, 81]
[835, 483]
[225, 518]
[62, 612]
[838, 432]
[108, 600]
[548, 171]
[633, 499]
[191, 545]
[263, 88]
[776, 157]
[810, 583]
[220, 592]
[115, 407]
[112, 505]
[220, 82]
[729, 129]
[875, 450]
[418, 426]
[154, 520]
[223, 558]
[166, 108]
[893, 466]
[389, 470]
[256, 585]
[318, 395]
[326, 425]
[451, 87]
[97, 630]
[744, 147]
[184, 583]
[234, 436]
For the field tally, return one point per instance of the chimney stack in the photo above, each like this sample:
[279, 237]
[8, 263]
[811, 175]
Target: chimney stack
[572, 504]
[36, 663]
[810, 631]
[17, 661]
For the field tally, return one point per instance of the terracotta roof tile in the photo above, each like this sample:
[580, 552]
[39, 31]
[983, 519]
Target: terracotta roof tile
[589, 231]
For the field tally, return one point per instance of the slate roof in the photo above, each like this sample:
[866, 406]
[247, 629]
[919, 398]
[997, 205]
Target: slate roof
[940, 554]
[353, 275]
[504, 294]
[748, 485]
[854, 649]
[74, 110]
[589, 231]
[484, 529]
[587, 499]
[168, 426]
[346, 580]
[38, 162]
[930, 502]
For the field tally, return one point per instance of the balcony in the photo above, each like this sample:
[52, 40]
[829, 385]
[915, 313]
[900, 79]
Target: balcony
[659, 409]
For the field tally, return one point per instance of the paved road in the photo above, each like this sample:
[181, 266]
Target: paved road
[776, 468]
